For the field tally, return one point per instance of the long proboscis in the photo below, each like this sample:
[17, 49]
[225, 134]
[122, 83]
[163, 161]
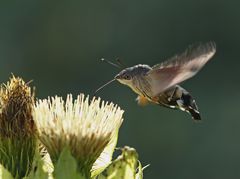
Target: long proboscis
[101, 87]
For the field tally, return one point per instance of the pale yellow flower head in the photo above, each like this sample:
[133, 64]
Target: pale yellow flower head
[84, 126]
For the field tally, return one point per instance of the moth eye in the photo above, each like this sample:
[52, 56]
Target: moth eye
[127, 77]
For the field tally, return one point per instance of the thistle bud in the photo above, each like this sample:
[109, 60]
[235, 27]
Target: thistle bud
[17, 129]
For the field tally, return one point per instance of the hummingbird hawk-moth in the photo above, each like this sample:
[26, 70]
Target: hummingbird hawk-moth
[160, 84]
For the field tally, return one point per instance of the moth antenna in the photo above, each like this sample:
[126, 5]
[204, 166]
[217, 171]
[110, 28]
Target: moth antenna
[101, 87]
[111, 63]
[120, 63]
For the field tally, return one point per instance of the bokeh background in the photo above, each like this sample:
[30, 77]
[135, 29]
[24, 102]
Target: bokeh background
[58, 44]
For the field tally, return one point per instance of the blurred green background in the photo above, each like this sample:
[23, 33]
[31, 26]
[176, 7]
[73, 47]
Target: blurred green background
[58, 44]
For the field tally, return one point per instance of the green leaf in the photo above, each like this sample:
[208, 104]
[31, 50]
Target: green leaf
[139, 174]
[66, 167]
[140, 169]
[37, 171]
[17, 155]
[123, 167]
[4, 173]
[105, 157]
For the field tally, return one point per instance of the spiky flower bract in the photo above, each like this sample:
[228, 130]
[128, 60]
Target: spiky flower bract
[82, 125]
[17, 129]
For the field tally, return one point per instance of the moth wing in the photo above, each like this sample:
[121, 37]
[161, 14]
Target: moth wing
[180, 67]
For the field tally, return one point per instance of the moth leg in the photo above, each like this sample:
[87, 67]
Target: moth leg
[173, 93]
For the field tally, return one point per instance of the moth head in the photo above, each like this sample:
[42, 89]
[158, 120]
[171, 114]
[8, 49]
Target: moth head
[130, 75]
[125, 76]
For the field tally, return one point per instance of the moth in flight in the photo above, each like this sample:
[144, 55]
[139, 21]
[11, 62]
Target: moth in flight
[160, 84]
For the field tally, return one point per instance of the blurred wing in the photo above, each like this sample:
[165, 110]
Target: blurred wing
[180, 67]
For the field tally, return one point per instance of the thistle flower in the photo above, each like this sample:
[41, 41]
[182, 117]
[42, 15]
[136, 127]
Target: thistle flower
[17, 129]
[84, 126]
